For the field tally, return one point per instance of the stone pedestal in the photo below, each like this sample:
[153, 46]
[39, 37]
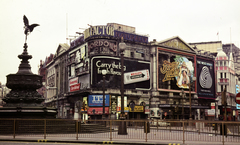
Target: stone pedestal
[23, 101]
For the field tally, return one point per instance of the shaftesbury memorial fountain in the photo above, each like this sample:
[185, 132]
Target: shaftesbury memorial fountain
[23, 101]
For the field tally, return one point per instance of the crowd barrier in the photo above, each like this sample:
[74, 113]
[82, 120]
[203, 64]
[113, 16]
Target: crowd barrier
[180, 131]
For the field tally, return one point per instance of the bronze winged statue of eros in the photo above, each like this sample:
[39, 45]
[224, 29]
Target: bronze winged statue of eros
[28, 28]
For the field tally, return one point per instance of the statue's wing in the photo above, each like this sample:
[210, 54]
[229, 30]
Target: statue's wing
[31, 27]
[25, 20]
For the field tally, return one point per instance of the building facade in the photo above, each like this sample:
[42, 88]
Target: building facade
[176, 90]
[57, 82]
[165, 80]
[227, 70]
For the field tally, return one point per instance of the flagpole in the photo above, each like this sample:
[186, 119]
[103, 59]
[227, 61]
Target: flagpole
[230, 39]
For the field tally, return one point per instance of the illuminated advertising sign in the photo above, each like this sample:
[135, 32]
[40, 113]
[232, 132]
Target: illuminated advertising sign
[99, 31]
[77, 42]
[75, 87]
[97, 100]
[139, 79]
[179, 71]
[73, 81]
[131, 37]
[97, 110]
[136, 76]
[119, 104]
[109, 31]
[205, 78]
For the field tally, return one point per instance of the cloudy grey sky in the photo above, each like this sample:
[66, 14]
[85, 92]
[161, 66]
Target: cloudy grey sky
[191, 20]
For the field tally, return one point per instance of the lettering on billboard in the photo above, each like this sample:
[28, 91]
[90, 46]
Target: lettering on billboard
[73, 81]
[109, 31]
[131, 37]
[77, 42]
[136, 76]
[97, 100]
[99, 44]
[99, 30]
[170, 70]
[111, 68]
[137, 109]
[75, 87]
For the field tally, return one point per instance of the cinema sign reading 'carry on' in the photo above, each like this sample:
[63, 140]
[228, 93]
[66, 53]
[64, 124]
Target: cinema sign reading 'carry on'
[136, 73]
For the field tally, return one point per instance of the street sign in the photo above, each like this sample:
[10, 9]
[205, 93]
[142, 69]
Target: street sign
[238, 98]
[136, 76]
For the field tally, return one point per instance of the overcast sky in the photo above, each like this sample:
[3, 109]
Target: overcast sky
[191, 20]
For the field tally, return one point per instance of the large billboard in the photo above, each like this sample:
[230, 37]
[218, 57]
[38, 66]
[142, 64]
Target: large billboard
[178, 69]
[136, 73]
[97, 100]
[205, 78]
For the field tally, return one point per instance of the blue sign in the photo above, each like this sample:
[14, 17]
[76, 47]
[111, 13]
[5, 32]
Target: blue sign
[238, 106]
[237, 88]
[97, 100]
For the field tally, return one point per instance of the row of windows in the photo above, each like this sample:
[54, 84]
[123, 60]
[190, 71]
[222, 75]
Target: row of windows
[222, 63]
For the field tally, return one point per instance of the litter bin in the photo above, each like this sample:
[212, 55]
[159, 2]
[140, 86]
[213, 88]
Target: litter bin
[148, 127]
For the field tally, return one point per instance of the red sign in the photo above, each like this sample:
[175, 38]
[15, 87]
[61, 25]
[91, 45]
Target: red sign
[212, 105]
[98, 110]
[73, 81]
[238, 98]
[74, 87]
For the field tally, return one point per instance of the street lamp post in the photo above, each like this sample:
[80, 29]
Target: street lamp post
[182, 94]
[104, 72]
[190, 98]
[122, 130]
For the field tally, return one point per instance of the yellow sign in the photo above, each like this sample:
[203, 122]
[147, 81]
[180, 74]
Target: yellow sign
[170, 70]
[137, 109]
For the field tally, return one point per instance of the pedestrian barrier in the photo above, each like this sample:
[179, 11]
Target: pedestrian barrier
[178, 131]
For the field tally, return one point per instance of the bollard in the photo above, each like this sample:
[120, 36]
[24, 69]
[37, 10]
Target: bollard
[45, 128]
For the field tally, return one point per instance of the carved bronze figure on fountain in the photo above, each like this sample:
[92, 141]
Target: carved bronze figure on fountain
[23, 101]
